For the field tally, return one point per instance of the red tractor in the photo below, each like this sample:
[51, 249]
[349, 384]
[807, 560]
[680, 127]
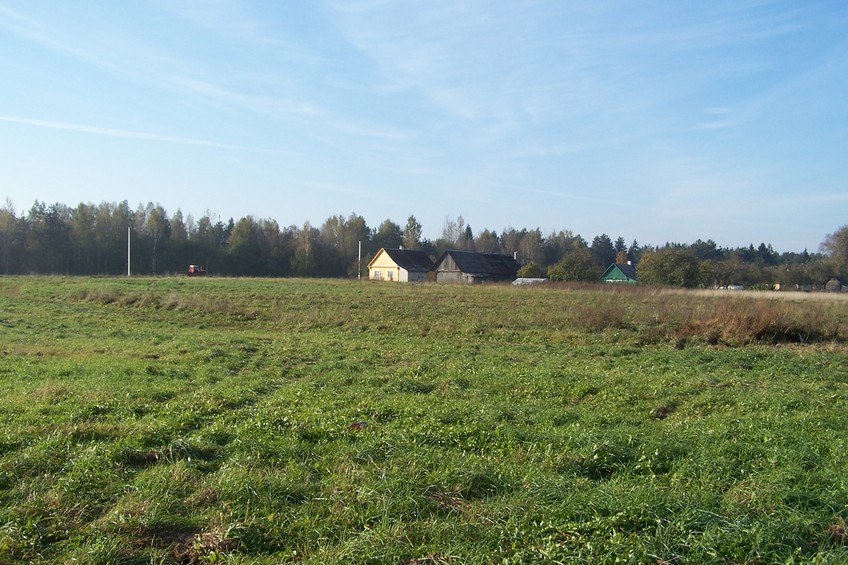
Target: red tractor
[196, 271]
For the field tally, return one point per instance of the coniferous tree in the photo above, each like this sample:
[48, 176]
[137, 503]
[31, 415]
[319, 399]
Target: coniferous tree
[603, 250]
[412, 233]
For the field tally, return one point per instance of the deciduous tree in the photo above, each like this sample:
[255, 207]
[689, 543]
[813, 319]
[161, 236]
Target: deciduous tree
[48, 243]
[669, 266]
[388, 234]
[487, 241]
[577, 266]
[9, 238]
[835, 246]
[83, 227]
[531, 248]
[157, 228]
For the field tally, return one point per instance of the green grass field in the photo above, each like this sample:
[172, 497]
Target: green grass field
[168, 420]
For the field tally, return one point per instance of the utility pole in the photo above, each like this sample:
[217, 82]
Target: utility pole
[128, 250]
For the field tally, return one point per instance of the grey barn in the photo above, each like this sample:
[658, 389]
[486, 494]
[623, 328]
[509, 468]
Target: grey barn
[468, 267]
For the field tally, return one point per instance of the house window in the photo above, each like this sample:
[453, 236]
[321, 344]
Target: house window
[377, 275]
[391, 275]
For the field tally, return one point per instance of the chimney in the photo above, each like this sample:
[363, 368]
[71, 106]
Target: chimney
[515, 255]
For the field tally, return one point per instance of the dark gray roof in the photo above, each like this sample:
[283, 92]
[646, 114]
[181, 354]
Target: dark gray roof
[482, 264]
[628, 269]
[412, 260]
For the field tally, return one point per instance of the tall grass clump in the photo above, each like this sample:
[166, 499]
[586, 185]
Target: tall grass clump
[606, 312]
[746, 321]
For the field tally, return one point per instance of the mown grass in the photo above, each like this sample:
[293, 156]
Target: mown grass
[183, 420]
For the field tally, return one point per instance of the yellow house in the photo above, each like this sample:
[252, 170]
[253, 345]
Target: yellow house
[399, 265]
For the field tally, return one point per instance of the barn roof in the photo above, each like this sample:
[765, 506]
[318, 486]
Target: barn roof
[482, 264]
[412, 260]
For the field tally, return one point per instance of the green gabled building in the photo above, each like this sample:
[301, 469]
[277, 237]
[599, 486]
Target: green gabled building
[620, 273]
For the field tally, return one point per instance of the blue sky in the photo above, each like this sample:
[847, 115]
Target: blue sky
[656, 121]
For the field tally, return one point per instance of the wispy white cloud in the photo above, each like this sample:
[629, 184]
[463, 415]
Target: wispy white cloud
[231, 18]
[245, 23]
[338, 188]
[536, 61]
[267, 87]
[579, 195]
[43, 33]
[718, 118]
[126, 134]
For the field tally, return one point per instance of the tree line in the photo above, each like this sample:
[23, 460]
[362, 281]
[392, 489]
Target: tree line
[91, 239]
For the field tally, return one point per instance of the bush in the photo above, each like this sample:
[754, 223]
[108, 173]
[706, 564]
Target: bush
[575, 267]
[530, 270]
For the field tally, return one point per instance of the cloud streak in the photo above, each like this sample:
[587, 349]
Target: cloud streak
[126, 134]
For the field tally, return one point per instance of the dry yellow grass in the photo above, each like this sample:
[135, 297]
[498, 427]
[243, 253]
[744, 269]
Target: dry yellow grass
[757, 294]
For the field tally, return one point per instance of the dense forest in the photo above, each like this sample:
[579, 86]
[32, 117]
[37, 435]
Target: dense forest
[92, 239]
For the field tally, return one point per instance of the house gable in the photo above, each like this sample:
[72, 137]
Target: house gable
[620, 272]
[402, 265]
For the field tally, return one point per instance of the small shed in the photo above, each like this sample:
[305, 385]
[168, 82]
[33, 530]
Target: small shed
[399, 265]
[469, 267]
[620, 273]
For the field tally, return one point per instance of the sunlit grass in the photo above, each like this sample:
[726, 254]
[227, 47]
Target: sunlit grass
[186, 420]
